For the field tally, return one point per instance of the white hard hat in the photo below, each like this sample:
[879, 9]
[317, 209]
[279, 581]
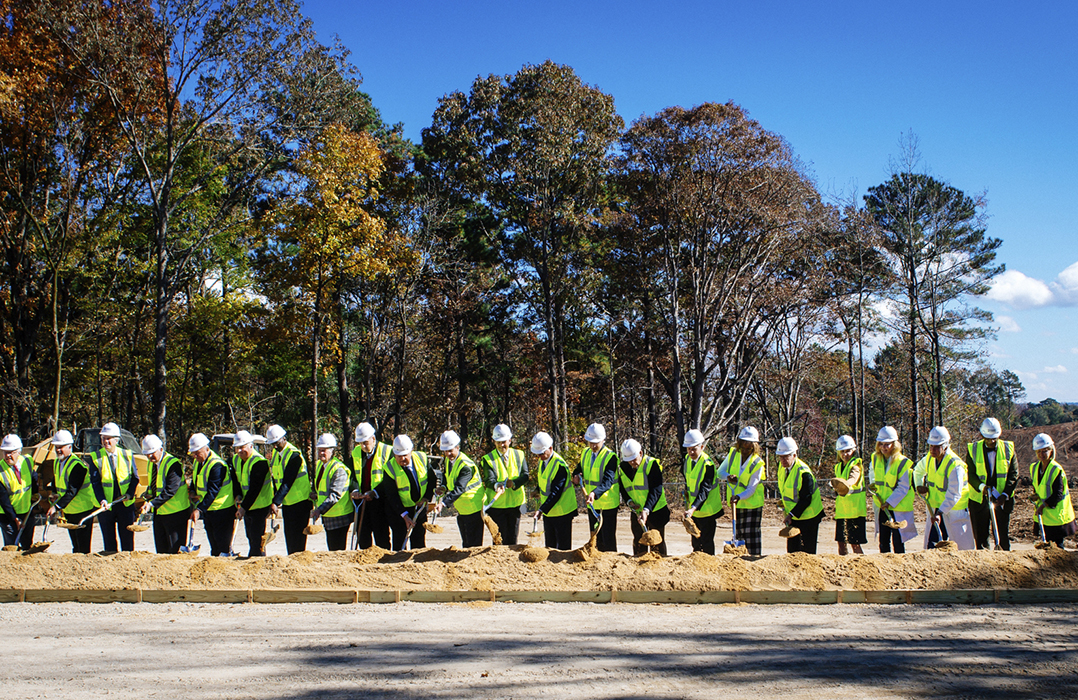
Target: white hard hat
[541, 443]
[62, 437]
[786, 446]
[197, 442]
[364, 432]
[326, 441]
[448, 441]
[844, 443]
[887, 434]
[630, 450]
[939, 436]
[11, 443]
[275, 434]
[595, 433]
[693, 438]
[991, 428]
[1041, 441]
[242, 438]
[110, 430]
[502, 432]
[402, 445]
[749, 434]
[151, 444]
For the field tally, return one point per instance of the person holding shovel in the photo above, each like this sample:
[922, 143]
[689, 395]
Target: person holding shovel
[557, 497]
[408, 485]
[949, 482]
[851, 508]
[745, 472]
[992, 466]
[331, 502]
[78, 486]
[119, 478]
[256, 486]
[18, 484]
[505, 472]
[924, 472]
[892, 488]
[369, 458]
[292, 494]
[167, 497]
[214, 493]
[597, 475]
[642, 489]
[466, 492]
[1051, 496]
[800, 498]
[703, 491]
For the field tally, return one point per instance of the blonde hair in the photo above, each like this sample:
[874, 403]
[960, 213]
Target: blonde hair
[755, 446]
[897, 452]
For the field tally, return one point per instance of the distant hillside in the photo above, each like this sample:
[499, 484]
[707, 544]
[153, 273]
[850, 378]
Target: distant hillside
[1065, 436]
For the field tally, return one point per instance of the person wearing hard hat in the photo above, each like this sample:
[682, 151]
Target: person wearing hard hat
[119, 479]
[252, 471]
[1051, 495]
[597, 474]
[703, 491]
[167, 496]
[801, 501]
[992, 466]
[745, 472]
[557, 497]
[408, 486]
[78, 486]
[642, 489]
[18, 484]
[331, 503]
[949, 482]
[891, 484]
[924, 472]
[505, 472]
[369, 458]
[851, 510]
[215, 494]
[466, 492]
[292, 488]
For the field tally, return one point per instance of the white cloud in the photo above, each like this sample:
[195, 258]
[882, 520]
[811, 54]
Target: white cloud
[1074, 351]
[1008, 324]
[1023, 292]
[1058, 369]
[1026, 376]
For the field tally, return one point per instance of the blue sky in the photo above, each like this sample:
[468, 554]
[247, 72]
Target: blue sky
[989, 88]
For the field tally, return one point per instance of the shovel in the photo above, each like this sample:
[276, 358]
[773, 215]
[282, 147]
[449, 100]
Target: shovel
[275, 525]
[314, 528]
[408, 533]
[733, 541]
[649, 538]
[535, 525]
[190, 547]
[91, 516]
[139, 527]
[29, 514]
[495, 533]
[995, 527]
[38, 547]
[431, 526]
[1044, 543]
[231, 552]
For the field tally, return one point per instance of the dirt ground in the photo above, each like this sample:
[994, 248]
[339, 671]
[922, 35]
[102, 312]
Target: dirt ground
[538, 651]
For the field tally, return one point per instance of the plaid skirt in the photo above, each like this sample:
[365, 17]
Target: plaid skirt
[749, 523]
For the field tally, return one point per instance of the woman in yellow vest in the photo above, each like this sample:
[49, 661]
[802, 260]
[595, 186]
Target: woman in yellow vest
[949, 487]
[746, 472]
[642, 489]
[891, 483]
[78, 486]
[851, 510]
[801, 500]
[557, 497]
[703, 491]
[167, 496]
[119, 478]
[504, 471]
[1051, 496]
[18, 485]
[331, 501]
[466, 492]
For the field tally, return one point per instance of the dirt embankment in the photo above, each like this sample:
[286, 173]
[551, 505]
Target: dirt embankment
[505, 568]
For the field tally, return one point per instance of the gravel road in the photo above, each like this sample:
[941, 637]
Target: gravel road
[533, 651]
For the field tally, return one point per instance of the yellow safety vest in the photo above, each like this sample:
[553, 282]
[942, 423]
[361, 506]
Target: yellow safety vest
[694, 481]
[637, 487]
[226, 496]
[243, 473]
[1004, 450]
[567, 501]
[592, 466]
[300, 490]
[84, 500]
[896, 467]
[789, 483]
[18, 481]
[471, 501]
[506, 468]
[181, 500]
[742, 477]
[1063, 513]
[400, 477]
[383, 453]
[852, 505]
[325, 471]
[116, 485]
[938, 481]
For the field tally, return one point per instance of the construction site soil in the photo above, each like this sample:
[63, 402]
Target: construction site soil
[512, 568]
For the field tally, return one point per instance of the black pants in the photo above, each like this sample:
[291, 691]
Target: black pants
[810, 532]
[607, 539]
[170, 531]
[337, 539]
[471, 529]
[115, 521]
[558, 531]
[254, 524]
[656, 521]
[508, 522]
[80, 539]
[418, 539]
[981, 520]
[707, 524]
[889, 537]
[11, 532]
[375, 527]
[295, 517]
[220, 525]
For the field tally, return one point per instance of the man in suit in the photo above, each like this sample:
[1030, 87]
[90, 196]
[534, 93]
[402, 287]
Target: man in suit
[407, 487]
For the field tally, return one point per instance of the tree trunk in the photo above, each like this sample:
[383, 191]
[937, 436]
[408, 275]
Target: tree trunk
[162, 300]
[344, 397]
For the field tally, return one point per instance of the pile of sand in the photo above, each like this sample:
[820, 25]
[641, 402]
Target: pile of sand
[505, 568]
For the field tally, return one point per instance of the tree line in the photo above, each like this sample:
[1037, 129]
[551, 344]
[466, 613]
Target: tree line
[206, 225]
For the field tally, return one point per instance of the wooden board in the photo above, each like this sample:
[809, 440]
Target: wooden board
[447, 596]
[304, 596]
[676, 597]
[964, 597]
[12, 595]
[60, 595]
[555, 596]
[192, 596]
[789, 597]
[1039, 595]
